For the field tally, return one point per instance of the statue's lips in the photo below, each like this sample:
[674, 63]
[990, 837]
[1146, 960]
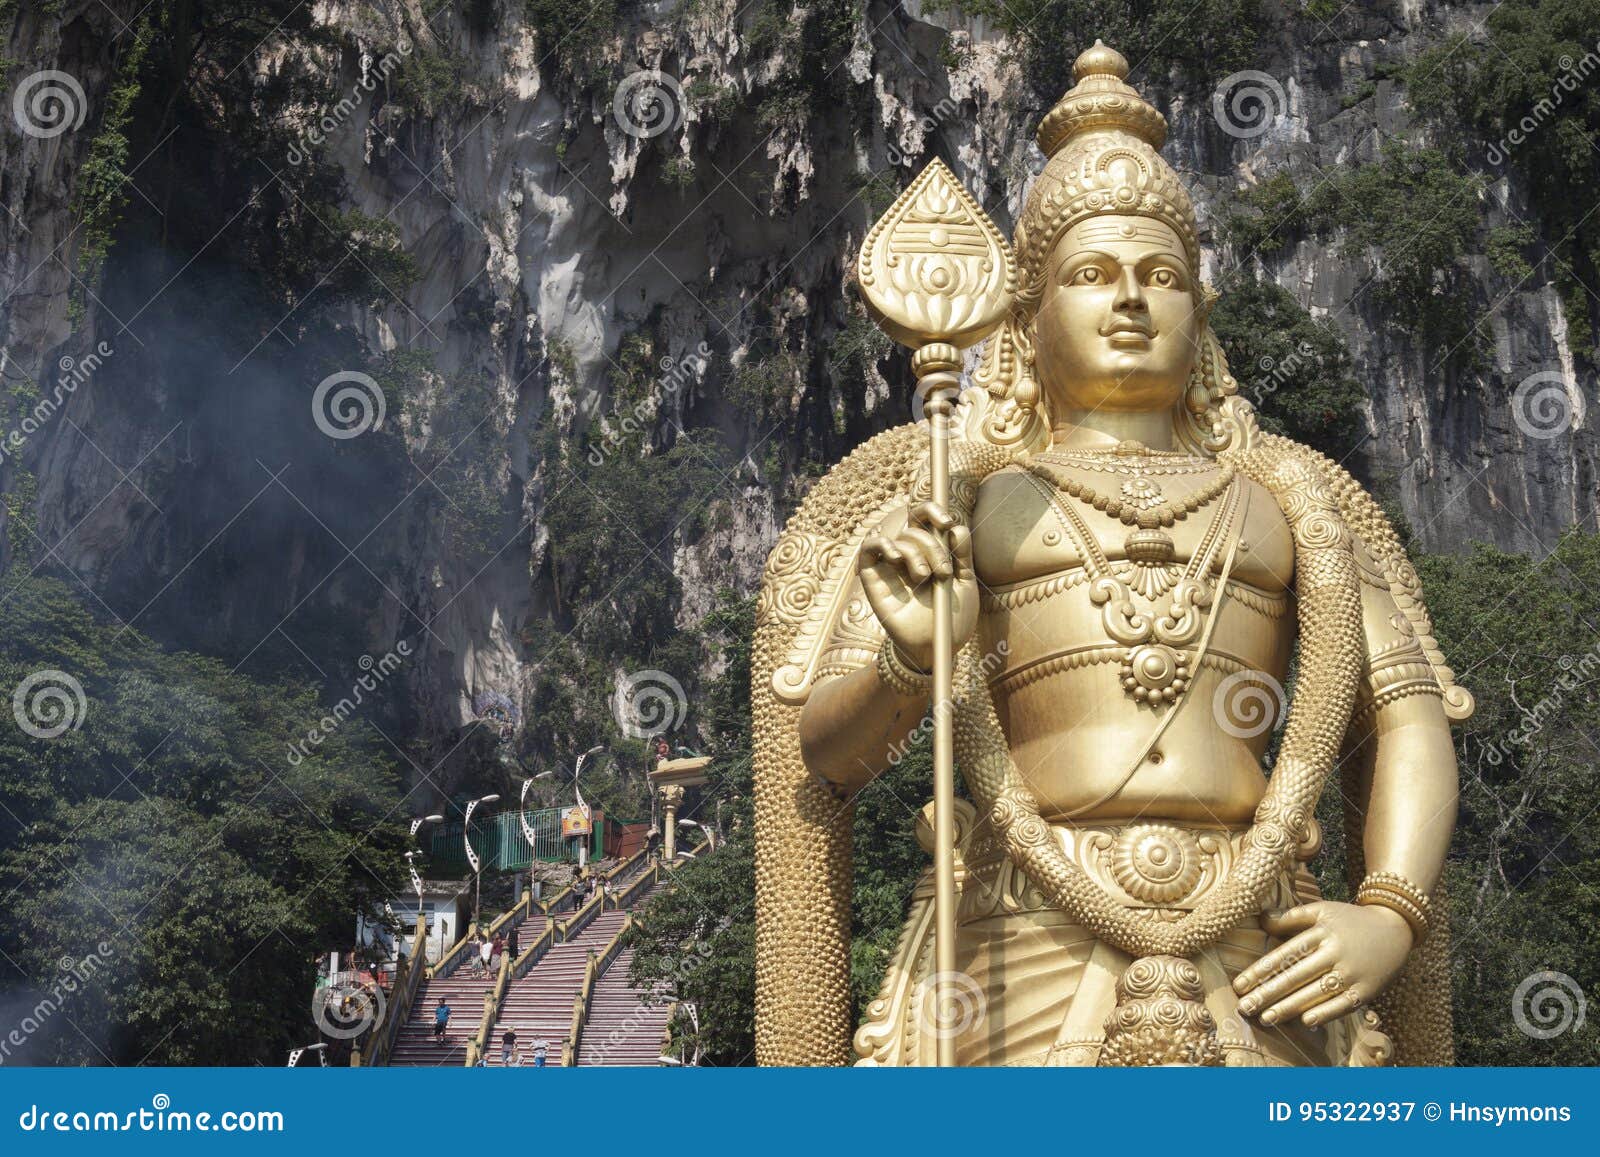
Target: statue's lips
[1127, 335]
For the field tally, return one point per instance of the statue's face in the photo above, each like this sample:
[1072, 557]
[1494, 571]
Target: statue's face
[1116, 329]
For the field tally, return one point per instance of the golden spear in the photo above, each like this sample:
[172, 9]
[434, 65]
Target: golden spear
[938, 276]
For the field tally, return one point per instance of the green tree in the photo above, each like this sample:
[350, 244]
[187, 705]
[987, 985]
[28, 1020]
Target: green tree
[175, 844]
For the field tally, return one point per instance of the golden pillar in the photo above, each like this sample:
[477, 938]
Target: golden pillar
[671, 801]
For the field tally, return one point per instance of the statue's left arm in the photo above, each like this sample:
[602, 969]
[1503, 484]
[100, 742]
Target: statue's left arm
[1400, 771]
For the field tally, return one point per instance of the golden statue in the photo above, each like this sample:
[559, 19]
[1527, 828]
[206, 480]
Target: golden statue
[1109, 564]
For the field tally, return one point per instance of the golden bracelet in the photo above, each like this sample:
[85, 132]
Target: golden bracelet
[1396, 893]
[898, 675]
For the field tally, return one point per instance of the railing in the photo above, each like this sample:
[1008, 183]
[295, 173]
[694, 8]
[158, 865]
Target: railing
[666, 1031]
[534, 952]
[579, 920]
[628, 865]
[625, 895]
[406, 983]
[554, 902]
[491, 1012]
[592, 971]
[501, 843]
[452, 959]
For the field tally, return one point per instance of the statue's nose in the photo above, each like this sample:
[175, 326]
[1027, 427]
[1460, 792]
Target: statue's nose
[1130, 294]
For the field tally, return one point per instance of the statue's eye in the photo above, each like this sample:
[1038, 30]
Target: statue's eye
[1089, 275]
[1163, 279]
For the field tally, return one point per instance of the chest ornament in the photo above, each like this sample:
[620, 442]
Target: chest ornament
[1156, 665]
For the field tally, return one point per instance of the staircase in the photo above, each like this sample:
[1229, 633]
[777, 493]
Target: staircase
[463, 992]
[539, 1004]
[620, 1029]
[616, 1027]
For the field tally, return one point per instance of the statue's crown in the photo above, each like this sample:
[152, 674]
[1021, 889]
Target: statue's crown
[1101, 99]
[1101, 140]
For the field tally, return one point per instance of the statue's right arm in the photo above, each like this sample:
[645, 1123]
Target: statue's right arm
[855, 725]
[858, 723]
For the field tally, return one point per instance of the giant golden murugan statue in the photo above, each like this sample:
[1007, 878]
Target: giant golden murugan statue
[1128, 564]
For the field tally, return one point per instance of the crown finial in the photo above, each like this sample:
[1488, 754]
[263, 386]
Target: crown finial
[1100, 60]
[1101, 100]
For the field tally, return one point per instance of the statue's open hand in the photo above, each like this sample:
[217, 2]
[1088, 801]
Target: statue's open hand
[896, 564]
[1337, 958]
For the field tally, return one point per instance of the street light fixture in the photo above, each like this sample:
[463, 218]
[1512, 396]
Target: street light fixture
[711, 839]
[416, 880]
[319, 1048]
[577, 770]
[472, 856]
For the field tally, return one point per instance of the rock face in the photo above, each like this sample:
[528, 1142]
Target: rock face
[672, 184]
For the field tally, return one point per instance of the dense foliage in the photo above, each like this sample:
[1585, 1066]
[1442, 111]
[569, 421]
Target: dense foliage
[170, 847]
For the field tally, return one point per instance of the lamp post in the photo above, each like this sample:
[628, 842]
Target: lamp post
[416, 878]
[472, 856]
[577, 770]
[320, 1048]
[711, 836]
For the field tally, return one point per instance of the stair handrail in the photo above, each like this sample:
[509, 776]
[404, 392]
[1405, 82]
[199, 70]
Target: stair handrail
[408, 979]
[630, 864]
[694, 852]
[593, 969]
[580, 919]
[554, 902]
[491, 1012]
[534, 952]
[625, 895]
[450, 960]
[521, 910]
[666, 1030]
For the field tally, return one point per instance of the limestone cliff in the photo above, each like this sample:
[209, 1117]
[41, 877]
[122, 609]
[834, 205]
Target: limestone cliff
[558, 237]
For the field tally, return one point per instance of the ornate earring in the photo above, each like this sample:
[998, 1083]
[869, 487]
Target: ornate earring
[1026, 392]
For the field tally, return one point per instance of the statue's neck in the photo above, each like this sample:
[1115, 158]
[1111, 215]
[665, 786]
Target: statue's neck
[1100, 430]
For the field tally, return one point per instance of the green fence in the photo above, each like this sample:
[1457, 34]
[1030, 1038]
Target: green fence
[500, 843]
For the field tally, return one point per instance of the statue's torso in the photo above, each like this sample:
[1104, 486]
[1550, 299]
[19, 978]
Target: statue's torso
[1075, 732]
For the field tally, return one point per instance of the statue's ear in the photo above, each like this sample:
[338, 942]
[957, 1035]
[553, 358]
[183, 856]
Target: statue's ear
[1208, 298]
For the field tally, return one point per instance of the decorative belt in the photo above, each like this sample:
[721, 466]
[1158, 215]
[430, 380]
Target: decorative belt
[1161, 868]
